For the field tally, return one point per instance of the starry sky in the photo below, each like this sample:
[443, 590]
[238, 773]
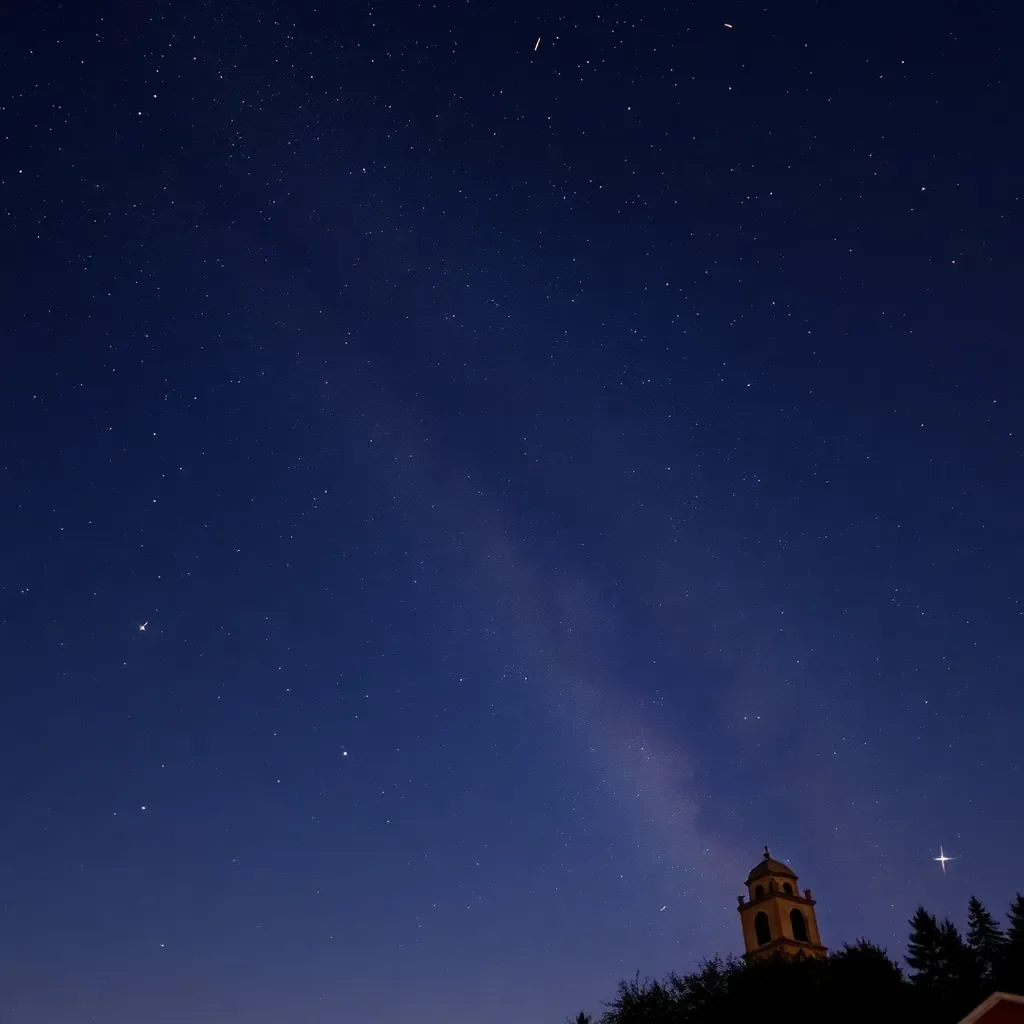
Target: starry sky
[471, 474]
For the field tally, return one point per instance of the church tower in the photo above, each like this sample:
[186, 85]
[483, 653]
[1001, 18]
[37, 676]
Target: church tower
[776, 919]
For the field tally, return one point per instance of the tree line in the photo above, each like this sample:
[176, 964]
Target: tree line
[949, 973]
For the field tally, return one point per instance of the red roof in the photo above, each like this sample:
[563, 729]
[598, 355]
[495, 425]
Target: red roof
[999, 1008]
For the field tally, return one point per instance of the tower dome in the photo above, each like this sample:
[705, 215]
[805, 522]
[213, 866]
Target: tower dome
[767, 867]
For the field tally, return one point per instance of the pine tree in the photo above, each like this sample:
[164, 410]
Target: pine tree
[962, 980]
[923, 948]
[986, 940]
[1011, 972]
[945, 967]
[1015, 932]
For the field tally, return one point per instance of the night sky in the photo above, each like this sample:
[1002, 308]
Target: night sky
[461, 496]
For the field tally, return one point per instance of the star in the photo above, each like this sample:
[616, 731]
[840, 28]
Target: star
[142, 627]
[943, 860]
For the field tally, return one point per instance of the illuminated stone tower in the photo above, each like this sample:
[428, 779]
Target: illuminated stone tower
[776, 919]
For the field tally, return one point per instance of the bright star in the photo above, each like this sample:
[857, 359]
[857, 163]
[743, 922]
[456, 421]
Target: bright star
[942, 859]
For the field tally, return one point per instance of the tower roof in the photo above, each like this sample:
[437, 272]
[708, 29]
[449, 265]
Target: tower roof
[769, 866]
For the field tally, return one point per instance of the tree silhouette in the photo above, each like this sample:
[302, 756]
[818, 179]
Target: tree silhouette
[865, 985]
[1011, 971]
[857, 982]
[707, 988]
[923, 949]
[864, 971]
[986, 939]
[640, 1002]
[962, 982]
[1015, 933]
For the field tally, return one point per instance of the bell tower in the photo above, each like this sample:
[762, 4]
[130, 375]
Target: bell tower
[776, 919]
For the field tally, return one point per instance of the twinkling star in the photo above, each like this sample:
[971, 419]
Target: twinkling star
[943, 860]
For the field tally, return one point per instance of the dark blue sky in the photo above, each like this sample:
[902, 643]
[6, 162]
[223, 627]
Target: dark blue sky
[545, 473]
